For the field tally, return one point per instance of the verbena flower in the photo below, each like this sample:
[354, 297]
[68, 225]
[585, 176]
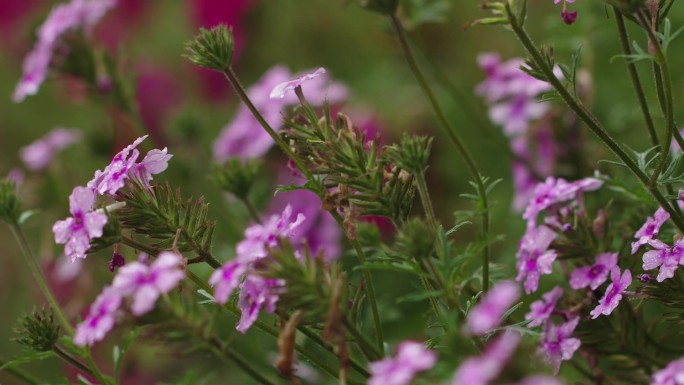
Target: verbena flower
[412, 357]
[115, 174]
[557, 343]
[256, 292]
[245, 138]
[672, 374]
[101, 318]
[77, 231]
[541, 310]
[146, 283]
[665, 256]
[485, 368]
[613, 295]
[155, 162]
[554, 191]
[650, 229]
[534, 256]
[595, 275]
[488, 313]
[39, 154]
[77, 14]
[280, 90]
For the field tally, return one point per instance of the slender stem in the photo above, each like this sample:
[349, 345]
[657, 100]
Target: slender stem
[590, 120]
[634, 76]
[425, 199]
[451, 132]
[20, 374]
[367, 347]
[252, 210]
[318, 340]
[72, 361]
[38, 276]
[245, 365]
[94, 369]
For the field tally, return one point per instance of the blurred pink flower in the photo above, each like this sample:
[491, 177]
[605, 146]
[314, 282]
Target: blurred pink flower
[39, 154]
[595, 275]
[159, 94]
[282, 89]
[412, 357]
[489, 312]
[541, 310]
[100, 319]
[485, 368]
[557, 344]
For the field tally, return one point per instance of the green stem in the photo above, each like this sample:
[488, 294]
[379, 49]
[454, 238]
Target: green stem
[426, 201]
[38, 276]
[634, 76]
[72, 361]
[367, 347]
[251, 210]
[319, 341]
[590, 120]
[451, 132]
[20, 374]
[238, 360]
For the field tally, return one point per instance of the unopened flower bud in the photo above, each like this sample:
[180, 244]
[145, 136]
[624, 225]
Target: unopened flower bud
[117, 261]
[9, 201]
[38, 330]
[212, 48]
[237, 178]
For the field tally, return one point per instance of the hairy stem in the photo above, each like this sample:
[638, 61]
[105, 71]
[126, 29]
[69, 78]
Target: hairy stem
[590, 120]
[72, 361]
[455, 138]
[426, 201]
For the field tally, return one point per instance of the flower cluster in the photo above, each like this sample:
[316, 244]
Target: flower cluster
[39, 154]
[77, 14]
[663, 256]
[256, 292]
[412, 357]
[245, 138]
[137, 281]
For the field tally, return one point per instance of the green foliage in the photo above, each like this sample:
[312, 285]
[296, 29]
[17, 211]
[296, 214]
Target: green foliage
[212, 48]
[425, 11]
[236, 177]
[161, 214]
[27, 358]
[415, 239]
[386, 7]
[38, 330]
[9, 201]
[411, 154]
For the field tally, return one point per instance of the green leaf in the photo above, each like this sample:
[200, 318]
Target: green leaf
[24, 216]
[30, 357]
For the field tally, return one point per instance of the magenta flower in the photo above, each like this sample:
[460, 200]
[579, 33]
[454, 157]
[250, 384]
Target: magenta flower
[77, 231]
[613, 294]
[38, 155]
[595, 275]
[672, 374]
[541, 310]
[155, 162]
[665, 256]
[534, 256]
[554, 191]
[281, 89]
[226, 279]
[256, 293]
[115, 174]
[412, 357]
[568, 17]
[650, 229]
[557, 344]
[100, 319]
[482, 370]
[146, 283]
[488, 313]
[77, 14]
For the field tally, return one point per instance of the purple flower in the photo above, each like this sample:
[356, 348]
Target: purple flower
[515, 114]
[665, 256]
[62, 18]
[541, 310]
[613, 294]
[568, 17]
[256, 293]
[281, 89]
[38, 155]
[117, 261]
[534, 258]
[84, 225]
[557, 344]
[481, 370]
[245, 138]
[412, 357]
[115, 174]
[650, 229]
[489, 312]
[226, 279]
[146, 283]
[595, 275]
[672, 374]
[155, 162]
[100, 319]
[554, 191]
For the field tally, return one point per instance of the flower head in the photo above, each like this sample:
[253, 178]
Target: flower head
[155, 162]
[672, 374]
[613, 294]
[412, 357]
[256, 294]
[39, 154]
[483, 369]
[115, 174]
[534, 256]
[650, 229]
[488, 314]
[554, 191]
[541, 310]
[595, 275]
[84, 224]
[100, 319]
[557, 344]
[665, 256]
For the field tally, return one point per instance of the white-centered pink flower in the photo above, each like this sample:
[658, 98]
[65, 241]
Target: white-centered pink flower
[77, 231]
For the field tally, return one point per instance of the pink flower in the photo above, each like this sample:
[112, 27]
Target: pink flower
[613, 294]
[541, 310]
[64, 17]
[281, 89]
[115, 174]
[226, 279]
[100, 319]
[672, 374]
[38, 155]
[554, 191]
[256, 294]
[595, 275]
[412, 357]
[482, 370]
[557, 344]
[146, 283]
[155, 162]
[534, 258]
[488, 313]
[84, 225]
[650, 229]
[665, 256]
